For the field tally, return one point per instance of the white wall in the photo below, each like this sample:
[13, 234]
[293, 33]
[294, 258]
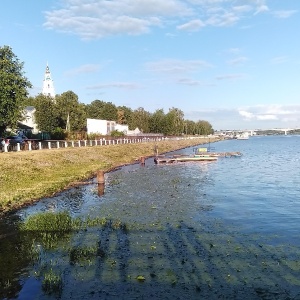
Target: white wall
[96, 126]
[122, 128]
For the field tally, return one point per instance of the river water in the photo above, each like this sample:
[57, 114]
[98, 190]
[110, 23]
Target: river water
[227, 229]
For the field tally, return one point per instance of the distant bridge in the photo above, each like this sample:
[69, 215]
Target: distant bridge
[252, 131]
[286, 130]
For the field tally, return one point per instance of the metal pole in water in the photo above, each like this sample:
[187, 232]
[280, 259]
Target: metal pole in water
[100, 177]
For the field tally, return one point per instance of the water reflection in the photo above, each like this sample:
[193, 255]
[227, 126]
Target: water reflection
[15, 257]
[101, 187]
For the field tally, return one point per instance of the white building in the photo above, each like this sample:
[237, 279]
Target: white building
[103, 127]
[122, 128]
[48, 84]
[29, 119]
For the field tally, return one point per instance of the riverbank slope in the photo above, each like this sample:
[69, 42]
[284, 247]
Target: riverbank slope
[30, 175]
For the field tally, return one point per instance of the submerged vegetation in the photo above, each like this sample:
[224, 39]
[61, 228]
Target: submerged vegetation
[52, 283]
[202, 259]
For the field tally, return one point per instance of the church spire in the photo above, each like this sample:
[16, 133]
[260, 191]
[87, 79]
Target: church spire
[48, 84]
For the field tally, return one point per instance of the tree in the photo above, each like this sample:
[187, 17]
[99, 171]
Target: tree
[102, 110]
[125, 116]
[68, 107]
[94, 109]
[46, 116]
[13, 89]
[140, 119]
[204, 128]
[174, 122]
[158, 121]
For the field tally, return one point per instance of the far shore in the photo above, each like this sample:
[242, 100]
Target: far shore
[28, 176]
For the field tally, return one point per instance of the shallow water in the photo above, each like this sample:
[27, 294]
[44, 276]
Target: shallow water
[227, 229]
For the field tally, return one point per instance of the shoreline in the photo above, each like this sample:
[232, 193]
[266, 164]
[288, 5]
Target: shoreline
[40, 173]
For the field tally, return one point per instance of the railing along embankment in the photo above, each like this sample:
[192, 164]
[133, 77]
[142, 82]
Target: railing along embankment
[31, 145]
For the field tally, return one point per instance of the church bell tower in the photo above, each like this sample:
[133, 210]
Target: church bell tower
[48, 84]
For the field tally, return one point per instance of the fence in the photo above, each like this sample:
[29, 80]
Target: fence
[31, 145]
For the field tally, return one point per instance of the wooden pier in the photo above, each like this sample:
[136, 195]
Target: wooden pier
[199, 157]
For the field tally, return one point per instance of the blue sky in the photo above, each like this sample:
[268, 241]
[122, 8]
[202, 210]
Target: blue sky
[234, 63]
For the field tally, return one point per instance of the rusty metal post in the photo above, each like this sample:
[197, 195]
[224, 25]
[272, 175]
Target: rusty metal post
[100, 177]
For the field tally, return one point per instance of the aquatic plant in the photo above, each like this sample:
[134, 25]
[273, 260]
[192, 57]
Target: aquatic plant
[48, 222]
[52, 283]
[81, 254]
[92, 222]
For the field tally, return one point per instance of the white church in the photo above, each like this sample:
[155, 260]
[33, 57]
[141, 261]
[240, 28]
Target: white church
[48, 84]
[48, 90]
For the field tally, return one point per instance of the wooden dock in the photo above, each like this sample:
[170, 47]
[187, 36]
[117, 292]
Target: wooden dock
[162, 159]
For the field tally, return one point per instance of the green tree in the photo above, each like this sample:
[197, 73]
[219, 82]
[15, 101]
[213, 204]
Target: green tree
[174, 122]
[99, 109]
[110, 112]
[69, 108]
[141, 119]
[158, 122]
[13, 89]
[126, 112]
[46, 114]
[204, 128]
[189, 127]
[94, 109]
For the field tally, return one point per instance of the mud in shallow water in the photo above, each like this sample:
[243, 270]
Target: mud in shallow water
[170, 248]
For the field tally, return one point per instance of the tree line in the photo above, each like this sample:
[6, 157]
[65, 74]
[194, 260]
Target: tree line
[52, 114]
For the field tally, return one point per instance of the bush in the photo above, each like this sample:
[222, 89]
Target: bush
[116, 133]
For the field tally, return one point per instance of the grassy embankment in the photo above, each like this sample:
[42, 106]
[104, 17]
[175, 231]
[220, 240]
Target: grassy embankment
[29, 175]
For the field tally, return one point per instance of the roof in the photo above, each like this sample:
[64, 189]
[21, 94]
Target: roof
[23, 126]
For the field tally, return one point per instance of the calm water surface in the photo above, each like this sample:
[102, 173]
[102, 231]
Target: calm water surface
[218, 216]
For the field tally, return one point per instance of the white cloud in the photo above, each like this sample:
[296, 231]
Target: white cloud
[261, 9]
[191, 82]
[237, 61]
[284, 14]
[230, 76]
[251, 117]
[121, 85]
[242, 8]
[247, 115]
[281, 113]
[267, 117]
[88, 68]
[193, 25]
[172, 66]
[94, 19]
